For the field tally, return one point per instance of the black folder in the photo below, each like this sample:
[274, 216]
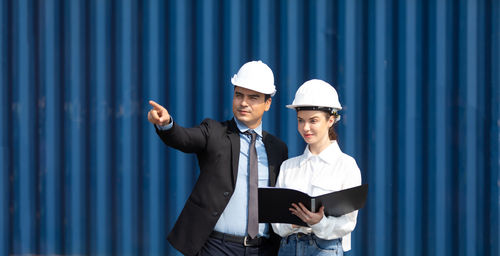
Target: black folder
[274, 203]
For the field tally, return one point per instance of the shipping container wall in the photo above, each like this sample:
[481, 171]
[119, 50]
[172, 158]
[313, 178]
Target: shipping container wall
[82, 171]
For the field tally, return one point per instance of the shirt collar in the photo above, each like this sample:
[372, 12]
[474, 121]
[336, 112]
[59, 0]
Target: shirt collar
[243, 128]
[328, 155]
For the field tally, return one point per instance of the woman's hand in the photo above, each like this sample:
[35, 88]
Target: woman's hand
[307, 216]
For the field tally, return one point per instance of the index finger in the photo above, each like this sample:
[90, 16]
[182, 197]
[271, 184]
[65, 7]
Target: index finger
[155, 105]
[304, 208]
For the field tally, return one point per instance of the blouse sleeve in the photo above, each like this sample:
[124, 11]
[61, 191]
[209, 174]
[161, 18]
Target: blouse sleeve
[282, 229]
[335, 227]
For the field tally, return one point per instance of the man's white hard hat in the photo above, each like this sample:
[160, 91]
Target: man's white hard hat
[255, 76]
[316, 94]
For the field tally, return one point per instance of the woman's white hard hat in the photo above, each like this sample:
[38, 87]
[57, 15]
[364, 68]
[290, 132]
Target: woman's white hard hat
[316, 94]
[255, 76]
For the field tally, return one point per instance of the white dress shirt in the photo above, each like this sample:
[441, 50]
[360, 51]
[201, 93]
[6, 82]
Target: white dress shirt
[331, 170]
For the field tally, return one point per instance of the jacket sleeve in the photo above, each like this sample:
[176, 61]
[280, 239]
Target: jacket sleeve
[187, 140]
[282, 229]
[335, 227]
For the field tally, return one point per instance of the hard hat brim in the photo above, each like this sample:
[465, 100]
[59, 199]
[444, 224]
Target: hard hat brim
[235, 83]
[298, 106]
[304, 105]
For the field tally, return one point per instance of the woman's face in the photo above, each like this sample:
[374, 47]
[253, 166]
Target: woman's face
[313, 126]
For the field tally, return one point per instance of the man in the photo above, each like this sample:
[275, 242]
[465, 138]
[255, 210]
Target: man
[235, 156]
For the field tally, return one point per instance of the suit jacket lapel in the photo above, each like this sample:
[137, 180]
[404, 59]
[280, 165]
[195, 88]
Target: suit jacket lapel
[270, 158]
[234, 137]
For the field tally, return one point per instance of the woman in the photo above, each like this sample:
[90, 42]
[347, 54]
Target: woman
[321, 169]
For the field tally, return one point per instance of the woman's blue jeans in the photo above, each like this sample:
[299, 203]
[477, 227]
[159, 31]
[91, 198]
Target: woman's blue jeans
[308, 244]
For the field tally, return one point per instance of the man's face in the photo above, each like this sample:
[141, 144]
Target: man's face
[249, 106]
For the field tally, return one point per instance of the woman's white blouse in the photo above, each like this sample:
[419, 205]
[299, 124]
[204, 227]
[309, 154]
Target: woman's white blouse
[330, 171]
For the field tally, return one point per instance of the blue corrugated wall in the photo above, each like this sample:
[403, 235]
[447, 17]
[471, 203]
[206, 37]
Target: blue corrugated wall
[82, 172]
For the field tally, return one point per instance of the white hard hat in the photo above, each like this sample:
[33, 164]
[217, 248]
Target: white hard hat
[316, 94]
[256, 76]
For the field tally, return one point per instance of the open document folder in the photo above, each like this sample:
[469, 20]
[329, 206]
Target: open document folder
[274, 203]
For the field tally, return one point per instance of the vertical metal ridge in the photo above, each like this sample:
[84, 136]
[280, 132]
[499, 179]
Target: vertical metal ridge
[321, 37]
[206, 97]
[410, 120]
[378, 128]
[494, 162]
[439, 59]
[127, 116]
[51, 228]
[75, 130]
[5, 149]
[470, 96]
[24, 192]
[101, 117]
[233, 30]
[180, 98]
[292, 69]
[264, 38]
[155, 193]
[482, 124]
[349, 55]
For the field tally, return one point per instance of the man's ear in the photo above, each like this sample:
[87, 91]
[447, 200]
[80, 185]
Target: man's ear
[268, 103]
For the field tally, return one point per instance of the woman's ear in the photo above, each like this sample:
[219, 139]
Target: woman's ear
[331, 121]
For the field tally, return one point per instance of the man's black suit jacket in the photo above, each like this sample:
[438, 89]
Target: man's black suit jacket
[217, 146]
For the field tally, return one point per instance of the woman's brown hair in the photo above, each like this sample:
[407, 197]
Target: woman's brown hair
[331, 131]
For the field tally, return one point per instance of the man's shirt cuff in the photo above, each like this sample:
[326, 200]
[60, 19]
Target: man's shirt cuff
[165, 127]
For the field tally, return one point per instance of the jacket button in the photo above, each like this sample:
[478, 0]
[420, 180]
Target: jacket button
[226, 194]
[215, 213]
